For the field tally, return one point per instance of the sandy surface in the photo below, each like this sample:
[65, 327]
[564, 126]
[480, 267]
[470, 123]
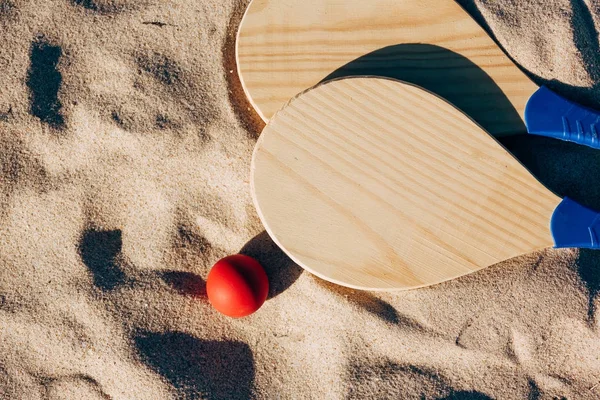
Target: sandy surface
[125, 148]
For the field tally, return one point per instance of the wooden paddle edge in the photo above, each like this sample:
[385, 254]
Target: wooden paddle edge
[239, 69]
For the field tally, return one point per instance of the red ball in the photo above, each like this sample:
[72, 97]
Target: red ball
[237, 285]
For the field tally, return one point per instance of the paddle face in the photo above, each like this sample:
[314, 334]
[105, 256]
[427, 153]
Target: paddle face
[287, 46]
[376, 184]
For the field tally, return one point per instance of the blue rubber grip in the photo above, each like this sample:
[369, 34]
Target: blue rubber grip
[574, 225]
[548, 114]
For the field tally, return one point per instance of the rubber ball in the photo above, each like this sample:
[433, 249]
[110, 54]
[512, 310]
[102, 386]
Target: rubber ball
[237, 285]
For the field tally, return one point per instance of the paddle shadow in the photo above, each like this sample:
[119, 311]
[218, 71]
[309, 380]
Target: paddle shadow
[448, 75]
[565, 168]
[243, 108]
[588, 268]
[365, 378]
[281, 270]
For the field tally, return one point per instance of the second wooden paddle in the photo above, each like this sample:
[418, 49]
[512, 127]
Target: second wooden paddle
[377, 184]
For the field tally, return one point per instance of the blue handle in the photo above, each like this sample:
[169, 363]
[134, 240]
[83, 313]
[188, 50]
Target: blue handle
[548, 114]
[574, 225]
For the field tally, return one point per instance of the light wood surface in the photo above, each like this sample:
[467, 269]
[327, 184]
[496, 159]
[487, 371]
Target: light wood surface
[287, 46]
[376, 184]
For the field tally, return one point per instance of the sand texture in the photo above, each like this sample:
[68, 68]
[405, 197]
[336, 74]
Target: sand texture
[125, 144]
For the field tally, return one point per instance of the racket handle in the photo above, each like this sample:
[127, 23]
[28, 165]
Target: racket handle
[574, 225]
[551, 115]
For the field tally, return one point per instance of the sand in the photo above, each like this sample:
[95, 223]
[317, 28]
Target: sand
[125, 148]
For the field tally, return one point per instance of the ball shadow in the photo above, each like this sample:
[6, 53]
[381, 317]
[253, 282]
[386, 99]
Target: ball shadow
[185, 283]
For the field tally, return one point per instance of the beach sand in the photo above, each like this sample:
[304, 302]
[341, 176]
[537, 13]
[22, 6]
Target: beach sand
[125, 149]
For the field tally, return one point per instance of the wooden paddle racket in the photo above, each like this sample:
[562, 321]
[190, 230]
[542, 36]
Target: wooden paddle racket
[287, 46]
[377, 184]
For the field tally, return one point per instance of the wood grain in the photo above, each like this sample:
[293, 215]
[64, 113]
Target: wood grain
[376, 184]
[287, 46]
